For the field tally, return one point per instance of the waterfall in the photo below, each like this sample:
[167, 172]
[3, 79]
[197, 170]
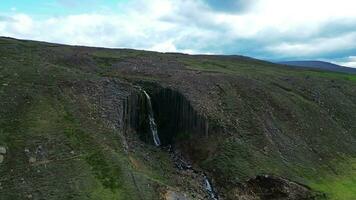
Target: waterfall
[153, 125]
[209, 188]
[178, 159]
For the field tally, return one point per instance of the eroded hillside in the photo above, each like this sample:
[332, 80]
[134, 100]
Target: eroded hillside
[74, 125]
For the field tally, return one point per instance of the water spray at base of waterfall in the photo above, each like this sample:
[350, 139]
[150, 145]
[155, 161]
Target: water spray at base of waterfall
[153, 125]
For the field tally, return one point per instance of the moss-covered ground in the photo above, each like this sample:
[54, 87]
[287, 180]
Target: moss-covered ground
[264, 119]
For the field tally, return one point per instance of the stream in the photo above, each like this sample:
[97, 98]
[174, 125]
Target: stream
[183, 165]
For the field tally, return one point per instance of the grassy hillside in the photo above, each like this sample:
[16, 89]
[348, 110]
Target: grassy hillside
[58, 147]
[61, 124]
[296, 123]
[320, 65]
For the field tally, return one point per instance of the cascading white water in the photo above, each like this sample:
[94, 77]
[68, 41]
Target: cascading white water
[209, 188]
[153, 125]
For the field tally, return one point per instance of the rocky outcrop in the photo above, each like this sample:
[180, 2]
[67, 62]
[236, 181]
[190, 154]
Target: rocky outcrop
[2, 154]
[175, 117]
[173, 195]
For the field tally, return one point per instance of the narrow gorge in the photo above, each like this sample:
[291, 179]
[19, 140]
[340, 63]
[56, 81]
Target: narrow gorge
[176, 119]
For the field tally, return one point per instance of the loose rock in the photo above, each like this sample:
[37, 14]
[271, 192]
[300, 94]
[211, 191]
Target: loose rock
[2, 150]
[32, 160]
[172, 195]
[1, 159]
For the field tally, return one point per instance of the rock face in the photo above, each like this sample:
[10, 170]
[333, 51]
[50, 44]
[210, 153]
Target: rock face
[2, 154]
[174, 115]
[135, 115]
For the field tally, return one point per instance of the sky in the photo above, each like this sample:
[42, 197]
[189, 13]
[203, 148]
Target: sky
[275, 30]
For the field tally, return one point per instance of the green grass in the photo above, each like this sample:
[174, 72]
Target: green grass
[258, 69]
[295, 114]
[79, 161]
[340, 186]
[45, 121]
[335, 75]
[83, 159]
[267, 119]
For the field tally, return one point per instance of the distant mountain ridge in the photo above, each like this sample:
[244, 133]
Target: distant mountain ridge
[320, 65]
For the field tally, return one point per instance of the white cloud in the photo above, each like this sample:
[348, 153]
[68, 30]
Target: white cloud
[279, 28]
[19, 25]
[316, 46]
[350, 61]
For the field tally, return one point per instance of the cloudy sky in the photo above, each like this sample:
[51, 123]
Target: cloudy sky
[267, 29]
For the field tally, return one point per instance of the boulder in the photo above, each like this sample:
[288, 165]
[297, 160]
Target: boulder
[2, 150]
[32, 160]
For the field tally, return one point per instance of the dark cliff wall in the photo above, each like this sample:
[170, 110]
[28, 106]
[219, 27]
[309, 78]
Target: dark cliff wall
[176, 119]
[135, 118]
